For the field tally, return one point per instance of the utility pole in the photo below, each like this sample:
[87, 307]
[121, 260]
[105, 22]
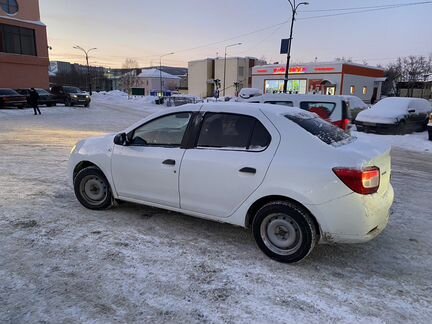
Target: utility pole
[224, 74]
[294, 8]
[160, 72]
[88, 66]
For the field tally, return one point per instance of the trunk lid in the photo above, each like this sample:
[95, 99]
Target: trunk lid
[364, 154]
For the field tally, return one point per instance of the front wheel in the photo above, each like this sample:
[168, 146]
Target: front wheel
[284, 232]
[92, 189]
[68, 102]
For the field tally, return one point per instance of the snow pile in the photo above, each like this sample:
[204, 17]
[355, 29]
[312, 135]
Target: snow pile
[413, 142]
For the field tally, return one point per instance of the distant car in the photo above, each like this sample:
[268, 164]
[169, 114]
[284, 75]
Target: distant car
[70, 96]
[292, 177]
[334, 109]
[11, 98]
[395, 115]
[45, 97]
[356, 105]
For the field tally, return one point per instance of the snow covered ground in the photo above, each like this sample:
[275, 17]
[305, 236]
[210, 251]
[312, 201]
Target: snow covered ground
[62, 263]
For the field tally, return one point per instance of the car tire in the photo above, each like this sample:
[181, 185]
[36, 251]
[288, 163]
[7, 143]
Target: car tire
[401, 129]
[87, 105]
[68, 102]
[284, 231]
[49, 105]
[92, 189]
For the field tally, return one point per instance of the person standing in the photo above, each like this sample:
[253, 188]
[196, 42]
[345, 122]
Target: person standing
[33, 100]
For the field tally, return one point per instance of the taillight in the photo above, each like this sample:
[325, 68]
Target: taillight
[344, 124]
[364, 181]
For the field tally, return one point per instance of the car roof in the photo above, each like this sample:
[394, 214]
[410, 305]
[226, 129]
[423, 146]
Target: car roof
[285, 96]
[244, 108]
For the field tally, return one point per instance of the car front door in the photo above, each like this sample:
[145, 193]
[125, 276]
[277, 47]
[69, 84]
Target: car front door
[228, 163]
[147, 168]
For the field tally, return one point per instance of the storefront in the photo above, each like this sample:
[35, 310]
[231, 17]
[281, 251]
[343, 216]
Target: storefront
[335, 78]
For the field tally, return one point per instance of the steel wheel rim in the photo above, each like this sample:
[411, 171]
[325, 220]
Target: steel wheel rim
[93, 189]
[281, 234]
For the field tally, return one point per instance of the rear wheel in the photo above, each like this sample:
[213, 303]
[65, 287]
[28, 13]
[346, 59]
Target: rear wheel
[401, 130]
[284, 232]
[92, 189]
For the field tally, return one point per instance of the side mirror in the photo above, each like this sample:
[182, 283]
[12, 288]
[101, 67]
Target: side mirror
[120, 139]
[411, 111]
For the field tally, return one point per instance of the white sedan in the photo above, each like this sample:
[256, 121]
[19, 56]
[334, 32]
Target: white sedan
[292, 177]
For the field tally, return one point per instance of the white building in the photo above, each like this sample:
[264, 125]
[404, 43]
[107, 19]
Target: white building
[334, 78]
[155, 80]
[203, 72]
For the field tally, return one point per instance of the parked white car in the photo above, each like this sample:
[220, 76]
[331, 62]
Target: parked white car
[292, 177]
[395, 115]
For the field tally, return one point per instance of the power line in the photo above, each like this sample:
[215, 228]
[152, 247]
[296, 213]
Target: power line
[367, 10]
[369, 7]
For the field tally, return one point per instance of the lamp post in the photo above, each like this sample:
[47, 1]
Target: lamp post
[294, 8]
[88, 66]
[224, 75]
[425, 77]
[160, 72]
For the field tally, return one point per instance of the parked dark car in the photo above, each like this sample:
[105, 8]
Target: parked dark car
[11, 98]
[45, 97]
[70, 96]
[395, 116]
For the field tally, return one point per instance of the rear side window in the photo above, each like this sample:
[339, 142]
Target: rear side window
[326, 132]
[322, 109]
[283, 103]
[233, 132]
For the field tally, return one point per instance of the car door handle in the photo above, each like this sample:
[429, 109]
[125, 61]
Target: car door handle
[248, 170]
[169, 162]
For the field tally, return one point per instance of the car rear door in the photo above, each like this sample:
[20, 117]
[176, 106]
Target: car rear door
[228, 162]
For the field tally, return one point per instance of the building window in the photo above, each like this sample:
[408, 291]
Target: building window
[352, 90]
[293, 86]
[17, 40]
[365, 91]
[9, 6]
[241, 71]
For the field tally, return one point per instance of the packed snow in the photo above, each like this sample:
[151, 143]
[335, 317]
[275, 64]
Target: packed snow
[62, 263]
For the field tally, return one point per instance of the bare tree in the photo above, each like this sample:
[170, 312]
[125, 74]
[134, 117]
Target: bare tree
[130, 78]
[409, 69]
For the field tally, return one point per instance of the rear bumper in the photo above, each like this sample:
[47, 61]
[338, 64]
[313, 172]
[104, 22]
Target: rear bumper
[353, 218]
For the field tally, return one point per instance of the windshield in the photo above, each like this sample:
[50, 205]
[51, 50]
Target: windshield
[72, 90]
[325, 131]
[8, 92]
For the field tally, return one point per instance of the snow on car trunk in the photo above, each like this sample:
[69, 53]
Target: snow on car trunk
[364, 154]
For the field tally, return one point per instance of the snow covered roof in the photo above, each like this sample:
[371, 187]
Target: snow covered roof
[155, 73]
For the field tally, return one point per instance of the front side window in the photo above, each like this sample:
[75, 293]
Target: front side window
[17, 40]
[163, 131]
[322, 109]
[283, 103]
[233, 132]
[9, 6]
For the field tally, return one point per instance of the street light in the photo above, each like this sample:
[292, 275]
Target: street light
[160, 71]
[88, 66]
[294, 8]
[224, 76]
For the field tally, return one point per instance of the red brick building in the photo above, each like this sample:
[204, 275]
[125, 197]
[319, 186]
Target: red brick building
[23, 45]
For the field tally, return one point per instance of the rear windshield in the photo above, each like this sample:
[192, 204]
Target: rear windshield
[8, 92]
[326, 132]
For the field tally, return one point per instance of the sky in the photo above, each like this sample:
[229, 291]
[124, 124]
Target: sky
[195, 29]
